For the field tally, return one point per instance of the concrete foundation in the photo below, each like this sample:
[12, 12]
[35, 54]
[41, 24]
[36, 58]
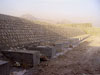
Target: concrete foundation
[48, 51]
[4, 68]
[26, 57]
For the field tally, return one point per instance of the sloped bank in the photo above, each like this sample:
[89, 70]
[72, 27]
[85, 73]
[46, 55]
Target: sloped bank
[18, 34]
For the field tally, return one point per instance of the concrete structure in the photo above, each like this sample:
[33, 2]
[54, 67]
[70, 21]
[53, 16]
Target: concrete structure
[16, 32]
[24, 57]
[4, 68]
[48, 51]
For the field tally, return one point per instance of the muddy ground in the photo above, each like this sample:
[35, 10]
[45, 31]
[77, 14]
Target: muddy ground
[82, 60]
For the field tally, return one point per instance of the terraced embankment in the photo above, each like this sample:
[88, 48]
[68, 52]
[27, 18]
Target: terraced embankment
[16, 31]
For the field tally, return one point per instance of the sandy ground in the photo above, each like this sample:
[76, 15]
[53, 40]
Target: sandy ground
[82, 60]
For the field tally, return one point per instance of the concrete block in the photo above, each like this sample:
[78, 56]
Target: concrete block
[48, 51]
[30, 58]
[58, 47]
[4, 68]
[74, 41]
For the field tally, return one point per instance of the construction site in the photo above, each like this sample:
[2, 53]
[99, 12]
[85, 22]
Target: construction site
[28, 48]
[49, 37]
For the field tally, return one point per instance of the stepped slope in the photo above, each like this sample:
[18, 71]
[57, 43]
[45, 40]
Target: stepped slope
[16, 31]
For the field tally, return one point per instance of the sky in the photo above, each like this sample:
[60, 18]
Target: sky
[78, 11]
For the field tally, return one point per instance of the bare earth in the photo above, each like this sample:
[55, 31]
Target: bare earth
[82, 60]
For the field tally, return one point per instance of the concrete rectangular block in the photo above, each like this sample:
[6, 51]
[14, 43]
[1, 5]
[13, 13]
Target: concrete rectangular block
[74, 41]
[48, 51]
[4, 68]
[30, 58]
[58, 47]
